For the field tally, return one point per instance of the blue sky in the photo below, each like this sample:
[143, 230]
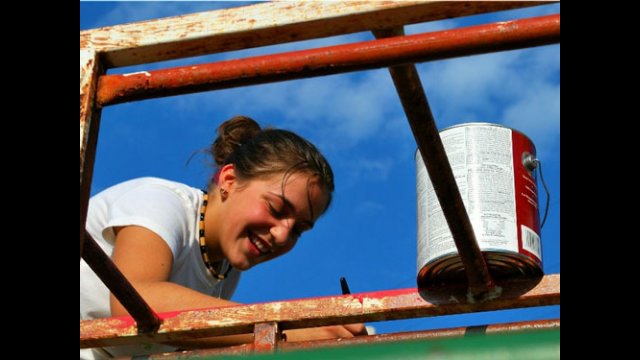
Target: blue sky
[369, 233]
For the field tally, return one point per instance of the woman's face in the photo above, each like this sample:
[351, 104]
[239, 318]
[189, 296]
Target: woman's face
[263, 219]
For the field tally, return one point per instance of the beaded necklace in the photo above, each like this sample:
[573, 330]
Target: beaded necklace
[203, 246]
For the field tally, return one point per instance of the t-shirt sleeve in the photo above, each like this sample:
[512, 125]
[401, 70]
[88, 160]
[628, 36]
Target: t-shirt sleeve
[155, 207]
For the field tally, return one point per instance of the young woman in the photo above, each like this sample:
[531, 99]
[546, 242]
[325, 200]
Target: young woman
[184, 248]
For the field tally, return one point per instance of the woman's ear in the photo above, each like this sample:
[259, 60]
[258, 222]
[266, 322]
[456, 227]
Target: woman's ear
[227, 179]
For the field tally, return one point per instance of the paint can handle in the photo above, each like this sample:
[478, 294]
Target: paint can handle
[531, 163]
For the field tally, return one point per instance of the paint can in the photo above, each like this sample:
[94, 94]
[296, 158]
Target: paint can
[492, 167]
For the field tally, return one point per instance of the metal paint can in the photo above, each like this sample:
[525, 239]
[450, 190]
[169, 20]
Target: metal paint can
[499, 189]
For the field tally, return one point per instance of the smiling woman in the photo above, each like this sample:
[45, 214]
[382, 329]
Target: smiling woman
[184, 248]
[266, 217]
[272, 186]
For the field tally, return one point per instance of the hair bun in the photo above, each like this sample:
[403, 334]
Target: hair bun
[231, 135]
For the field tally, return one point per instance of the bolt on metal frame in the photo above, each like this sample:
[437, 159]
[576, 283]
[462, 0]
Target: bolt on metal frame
[271, 23]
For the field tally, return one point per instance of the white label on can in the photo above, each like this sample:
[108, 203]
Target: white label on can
[530, 241]
[481, 158]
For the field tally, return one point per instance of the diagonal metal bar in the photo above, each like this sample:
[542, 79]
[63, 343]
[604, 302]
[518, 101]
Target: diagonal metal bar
[101, 264]
[90, 70]
[506, 35]
[416, 106]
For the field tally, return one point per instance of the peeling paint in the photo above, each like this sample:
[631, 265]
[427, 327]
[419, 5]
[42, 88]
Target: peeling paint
[145, 73]
[372, 303]
[87, 72]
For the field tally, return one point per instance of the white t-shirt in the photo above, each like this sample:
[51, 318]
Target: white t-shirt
[169, 209]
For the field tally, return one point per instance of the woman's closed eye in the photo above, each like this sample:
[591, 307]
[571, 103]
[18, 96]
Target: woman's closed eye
[275, 211]
[279, 213]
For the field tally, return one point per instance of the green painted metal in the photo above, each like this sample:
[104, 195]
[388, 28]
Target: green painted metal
[541, 344]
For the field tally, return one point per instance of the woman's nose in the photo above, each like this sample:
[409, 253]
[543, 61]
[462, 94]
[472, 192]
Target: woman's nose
[282, 232]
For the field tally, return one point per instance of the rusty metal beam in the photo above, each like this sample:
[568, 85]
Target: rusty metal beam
[267, 24]
[146, 319]
[472, 40]
[493, 329]
[330, 310]
[90, 70]
[416, 107]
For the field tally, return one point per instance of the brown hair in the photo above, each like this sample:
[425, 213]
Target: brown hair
[257, 152]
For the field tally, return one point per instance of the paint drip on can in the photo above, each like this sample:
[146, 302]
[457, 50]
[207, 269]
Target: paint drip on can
[494, 169]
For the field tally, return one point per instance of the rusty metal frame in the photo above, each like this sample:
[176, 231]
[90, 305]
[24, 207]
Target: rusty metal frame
[205, 33]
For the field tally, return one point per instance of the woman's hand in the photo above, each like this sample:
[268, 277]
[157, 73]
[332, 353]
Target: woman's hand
[325, 332]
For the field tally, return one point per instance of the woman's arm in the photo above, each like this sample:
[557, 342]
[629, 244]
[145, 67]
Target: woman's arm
[146, 260]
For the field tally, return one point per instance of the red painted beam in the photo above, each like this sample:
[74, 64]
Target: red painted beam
[113, 89]
[330, 310]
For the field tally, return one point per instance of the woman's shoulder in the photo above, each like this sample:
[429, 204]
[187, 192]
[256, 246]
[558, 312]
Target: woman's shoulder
[147, 182]
[152, 186]
[150, 181]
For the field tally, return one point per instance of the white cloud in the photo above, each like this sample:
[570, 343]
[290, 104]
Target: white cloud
[368, 208]
[430, 26]
[537, 115]
[353, 107]
[341, 111]
[353, 170]
[469, 82]
[372, 169]
[519, 89]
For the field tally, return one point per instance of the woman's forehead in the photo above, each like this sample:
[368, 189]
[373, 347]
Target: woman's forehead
[298, 178]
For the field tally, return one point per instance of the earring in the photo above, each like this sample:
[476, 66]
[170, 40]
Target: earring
[223, 193]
